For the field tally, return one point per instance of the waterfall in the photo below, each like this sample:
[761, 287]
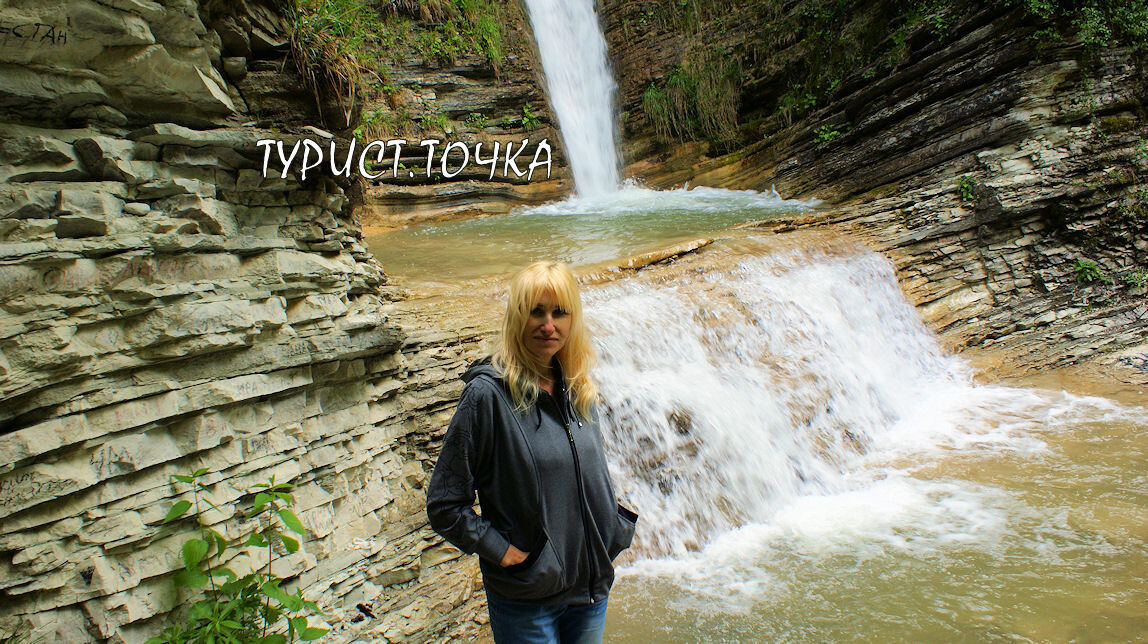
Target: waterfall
[781, 419]
[581, 89]
[730, 391]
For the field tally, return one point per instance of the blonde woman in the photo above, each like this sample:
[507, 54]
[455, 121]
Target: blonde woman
[525, 437]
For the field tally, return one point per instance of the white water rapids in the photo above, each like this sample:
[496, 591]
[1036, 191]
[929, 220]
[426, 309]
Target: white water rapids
[582, 89]
[783, 402]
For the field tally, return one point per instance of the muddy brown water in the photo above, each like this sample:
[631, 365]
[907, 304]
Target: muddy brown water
[1028, 522]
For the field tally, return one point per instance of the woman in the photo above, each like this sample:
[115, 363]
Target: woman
[525, 437]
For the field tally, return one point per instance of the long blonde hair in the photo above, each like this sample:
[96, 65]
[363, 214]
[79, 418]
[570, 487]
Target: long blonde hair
[511, 357]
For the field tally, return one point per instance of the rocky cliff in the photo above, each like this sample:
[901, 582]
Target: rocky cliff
[165, 307]
[465, 72]
[996, 155]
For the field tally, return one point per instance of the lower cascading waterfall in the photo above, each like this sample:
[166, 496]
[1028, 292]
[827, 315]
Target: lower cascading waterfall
[732, 393]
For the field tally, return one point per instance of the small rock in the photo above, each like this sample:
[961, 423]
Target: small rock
[99, 161]
[263, 42]
[235, 67]
[327, 247]
[234, 38]
[137, 208]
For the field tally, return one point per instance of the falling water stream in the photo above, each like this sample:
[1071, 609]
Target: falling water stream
[581, 88]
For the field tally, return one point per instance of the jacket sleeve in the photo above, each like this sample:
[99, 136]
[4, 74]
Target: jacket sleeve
[450, 496]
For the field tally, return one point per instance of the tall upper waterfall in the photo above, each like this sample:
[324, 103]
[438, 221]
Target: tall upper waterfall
[581, 88]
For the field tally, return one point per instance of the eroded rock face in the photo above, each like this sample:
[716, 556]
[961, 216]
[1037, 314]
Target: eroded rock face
[165, 307]
[472, 101]
[63, 59]
[992, 169]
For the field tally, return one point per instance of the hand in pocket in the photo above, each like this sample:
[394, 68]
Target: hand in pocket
[513, 556]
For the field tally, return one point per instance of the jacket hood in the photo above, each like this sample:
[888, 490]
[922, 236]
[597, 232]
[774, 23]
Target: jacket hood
[482, 367]
[485, 366]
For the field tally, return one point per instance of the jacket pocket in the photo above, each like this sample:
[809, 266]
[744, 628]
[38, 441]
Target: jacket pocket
[540, 575]
[625, 524]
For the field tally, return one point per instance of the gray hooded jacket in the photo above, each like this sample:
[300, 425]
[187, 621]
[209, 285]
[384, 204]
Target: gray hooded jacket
[542, 485]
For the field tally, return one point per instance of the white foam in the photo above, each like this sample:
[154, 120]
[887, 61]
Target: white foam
[781, 405]
[632, 198]
[897, 514]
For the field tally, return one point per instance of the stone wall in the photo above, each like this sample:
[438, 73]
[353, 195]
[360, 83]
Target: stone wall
[990, 165]
[163, 307]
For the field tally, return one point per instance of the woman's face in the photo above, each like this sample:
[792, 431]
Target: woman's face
[546, 330]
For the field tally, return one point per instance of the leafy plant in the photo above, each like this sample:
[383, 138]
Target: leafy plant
[529, 120]
[489, 35]
[826, 133]
[437, 121]
[699, 98]
[442, 45]
[796, 102]
[367, 123]
[938, 24]
[1098, 23]
[383, 123]
[448, 29]
[1136, 279]
[247, 609]
[329, 41]
[967, 188]
[837, 39]
[477, 121]
[1088, 271]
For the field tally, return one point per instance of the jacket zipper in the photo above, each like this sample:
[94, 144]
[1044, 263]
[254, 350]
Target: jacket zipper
[582, 514]
[581, 498]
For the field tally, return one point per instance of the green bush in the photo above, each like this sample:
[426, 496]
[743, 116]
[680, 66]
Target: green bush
[447, 30]
[530, 122]
[1097, 23]
[967, 188]
[699, 99]
[477, 121]
[837, 38]
[1136, 278]
[1088, 271]
[826, 133]
[235, 609]
[330, 41]
[436, 121]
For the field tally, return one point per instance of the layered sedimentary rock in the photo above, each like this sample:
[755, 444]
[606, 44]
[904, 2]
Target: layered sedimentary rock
[1001, 170]
[165, 307]
[470, 97]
